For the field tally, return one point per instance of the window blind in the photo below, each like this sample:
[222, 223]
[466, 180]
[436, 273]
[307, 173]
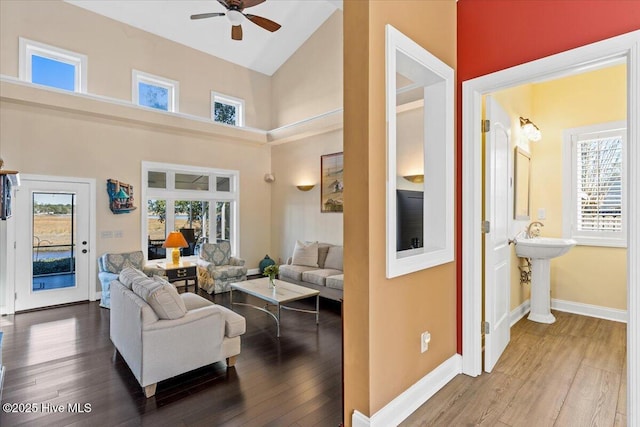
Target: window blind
[599, 184]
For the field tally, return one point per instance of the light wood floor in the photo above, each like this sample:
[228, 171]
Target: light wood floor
[571, 373]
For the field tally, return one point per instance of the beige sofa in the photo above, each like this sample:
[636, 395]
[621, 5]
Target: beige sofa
[161, 334]
[318, 266]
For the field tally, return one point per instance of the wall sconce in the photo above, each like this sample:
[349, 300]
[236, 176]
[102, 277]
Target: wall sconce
[305, 187]
[530, 130]
[416, 179]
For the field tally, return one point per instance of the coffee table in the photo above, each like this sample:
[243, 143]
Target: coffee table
[283, 293]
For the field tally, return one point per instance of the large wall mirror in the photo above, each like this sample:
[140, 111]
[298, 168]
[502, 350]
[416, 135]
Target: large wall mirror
[420, 163]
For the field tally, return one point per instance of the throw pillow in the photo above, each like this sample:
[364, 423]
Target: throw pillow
[305, 254]
[114, 263]
[334, 258]
[162, 296]
[128, 275]
[323, 250]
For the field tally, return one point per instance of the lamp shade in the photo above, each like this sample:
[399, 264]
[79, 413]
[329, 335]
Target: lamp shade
[175, 239]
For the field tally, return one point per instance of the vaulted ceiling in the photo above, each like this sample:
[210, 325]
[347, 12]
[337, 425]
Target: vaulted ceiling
[259, 49]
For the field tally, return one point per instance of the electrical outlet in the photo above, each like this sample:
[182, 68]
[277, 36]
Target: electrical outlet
[425, 337]
[117, 234]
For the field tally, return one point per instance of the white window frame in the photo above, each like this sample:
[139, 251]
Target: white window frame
[229, 100]
[569, 187]
[171, 194]
[173, 86]
[28, 48]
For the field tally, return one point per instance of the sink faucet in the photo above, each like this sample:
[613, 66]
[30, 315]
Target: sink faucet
[536, 225]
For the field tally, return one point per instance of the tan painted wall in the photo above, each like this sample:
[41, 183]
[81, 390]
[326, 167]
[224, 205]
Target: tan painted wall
[590, 275]
[296, 214]
[114, 48]
[384, 318]
[310, 82]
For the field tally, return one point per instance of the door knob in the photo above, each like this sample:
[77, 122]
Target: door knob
[84, 251]
[84, 242]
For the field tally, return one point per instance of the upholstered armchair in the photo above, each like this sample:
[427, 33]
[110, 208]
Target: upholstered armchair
[110, 266]
[217, 268]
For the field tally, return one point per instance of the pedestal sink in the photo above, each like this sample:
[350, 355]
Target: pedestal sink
[540, 250]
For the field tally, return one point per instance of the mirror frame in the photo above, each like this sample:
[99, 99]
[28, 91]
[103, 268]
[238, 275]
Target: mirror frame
[439, 214]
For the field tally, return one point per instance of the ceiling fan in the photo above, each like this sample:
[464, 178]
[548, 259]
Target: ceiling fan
[235, 13]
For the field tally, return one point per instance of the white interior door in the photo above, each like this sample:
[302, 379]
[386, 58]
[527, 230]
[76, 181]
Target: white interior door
[52, 243]
[497, 252]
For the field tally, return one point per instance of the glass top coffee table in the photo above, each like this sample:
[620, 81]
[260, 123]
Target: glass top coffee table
[283, 293]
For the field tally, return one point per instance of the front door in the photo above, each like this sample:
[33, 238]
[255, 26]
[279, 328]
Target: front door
[52, 243]
[496, 242]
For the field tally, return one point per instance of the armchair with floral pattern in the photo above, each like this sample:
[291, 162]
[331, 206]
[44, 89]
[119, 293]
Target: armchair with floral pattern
[217, 268]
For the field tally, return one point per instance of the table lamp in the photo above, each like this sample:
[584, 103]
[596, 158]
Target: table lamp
[175, 240]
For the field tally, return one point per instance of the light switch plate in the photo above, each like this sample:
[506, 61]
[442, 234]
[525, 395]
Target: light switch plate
[542, 213]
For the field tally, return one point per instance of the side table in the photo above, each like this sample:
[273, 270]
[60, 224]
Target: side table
[182, 272]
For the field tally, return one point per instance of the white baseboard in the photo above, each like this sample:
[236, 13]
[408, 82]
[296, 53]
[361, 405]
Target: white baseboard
[253, 271]
[590, 310]
[519, 312]
[97, 296]
[411, 399]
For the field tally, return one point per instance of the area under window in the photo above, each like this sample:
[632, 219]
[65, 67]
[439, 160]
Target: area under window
[227, 109]
[201, 203]
[594, 210]
[154, 91]
[52, 66]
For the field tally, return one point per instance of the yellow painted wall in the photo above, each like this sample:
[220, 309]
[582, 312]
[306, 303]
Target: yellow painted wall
[590, 275]
[384, 318]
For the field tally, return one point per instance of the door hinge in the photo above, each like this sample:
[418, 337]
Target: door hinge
[486, 126]
[486, 226]
[487, 328]
[14, 245]
[15, 296]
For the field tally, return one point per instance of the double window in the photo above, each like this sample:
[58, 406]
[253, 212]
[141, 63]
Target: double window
[52, 66]
[154, 91]
[227, 109]
[202, 203]
[594, 190]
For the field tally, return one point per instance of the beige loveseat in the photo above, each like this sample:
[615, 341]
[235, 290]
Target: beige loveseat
[317, 266]
[161, 334]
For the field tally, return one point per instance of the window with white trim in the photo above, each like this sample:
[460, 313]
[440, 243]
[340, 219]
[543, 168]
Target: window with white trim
[202, 203]
[594, 206]
[227, 109]
[52, 66]
[153, 91]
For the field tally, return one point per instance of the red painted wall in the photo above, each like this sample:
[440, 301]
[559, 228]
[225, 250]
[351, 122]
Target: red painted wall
[498, 34]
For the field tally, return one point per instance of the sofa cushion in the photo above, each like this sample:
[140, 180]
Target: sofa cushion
[114, 263]
[293, 271]
[323, 250]
[227, 272]
[334, 258]
[162, 296]
[317, 277]
[128, 275]
[335, 282]
[216, 253]
[305, 254]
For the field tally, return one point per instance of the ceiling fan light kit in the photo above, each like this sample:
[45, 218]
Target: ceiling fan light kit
[236, 16]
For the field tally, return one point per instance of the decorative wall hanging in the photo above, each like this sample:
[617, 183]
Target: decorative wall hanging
[332, 182]
[120, 196]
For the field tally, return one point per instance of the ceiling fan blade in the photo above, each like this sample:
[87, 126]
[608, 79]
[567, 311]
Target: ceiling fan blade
[224, 3]
[250, 3]
[236, 32]
[206, 15]
[265, 23]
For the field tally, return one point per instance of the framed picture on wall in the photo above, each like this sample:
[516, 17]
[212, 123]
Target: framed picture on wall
[331, 182]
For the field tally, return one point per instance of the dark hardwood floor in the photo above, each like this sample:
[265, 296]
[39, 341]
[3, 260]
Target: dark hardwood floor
[570, 373]
[63, 356]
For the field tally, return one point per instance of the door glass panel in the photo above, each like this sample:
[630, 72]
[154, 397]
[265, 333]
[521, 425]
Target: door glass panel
[190, 215]
[223, 221]
[54, 241]
[157, 179]
[223, 183]
[156, 228]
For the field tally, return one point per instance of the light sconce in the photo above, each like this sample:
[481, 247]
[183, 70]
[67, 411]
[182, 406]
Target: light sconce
[305, 187]
[416, 179]
[530, 130]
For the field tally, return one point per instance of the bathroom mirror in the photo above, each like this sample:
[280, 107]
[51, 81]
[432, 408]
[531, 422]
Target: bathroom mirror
[420, 163]
[521, 172]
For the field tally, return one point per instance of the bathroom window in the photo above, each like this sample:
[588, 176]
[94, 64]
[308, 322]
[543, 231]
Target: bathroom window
[594, 184]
